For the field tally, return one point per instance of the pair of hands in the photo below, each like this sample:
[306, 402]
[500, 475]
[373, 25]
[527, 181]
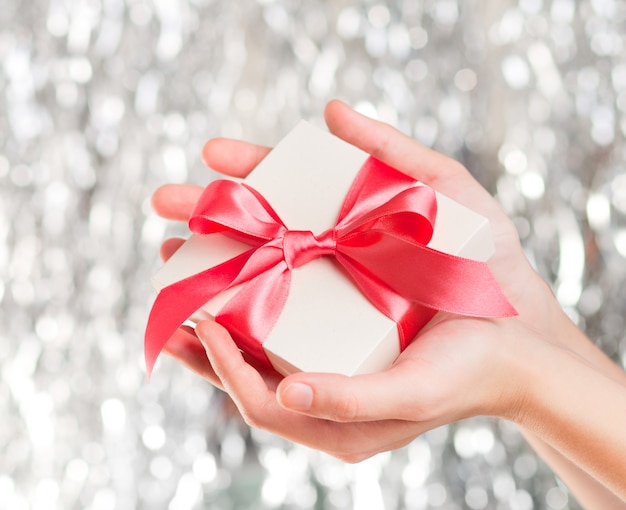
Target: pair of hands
[458, 367]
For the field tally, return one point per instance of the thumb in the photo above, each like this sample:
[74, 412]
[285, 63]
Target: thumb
[340, 398]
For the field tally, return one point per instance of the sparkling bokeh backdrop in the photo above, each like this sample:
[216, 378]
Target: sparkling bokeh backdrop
[101, 101]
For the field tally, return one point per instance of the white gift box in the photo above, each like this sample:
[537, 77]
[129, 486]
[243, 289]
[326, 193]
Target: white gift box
[327, 325]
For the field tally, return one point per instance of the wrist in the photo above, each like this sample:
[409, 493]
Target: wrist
[564, 333]
[520, 366]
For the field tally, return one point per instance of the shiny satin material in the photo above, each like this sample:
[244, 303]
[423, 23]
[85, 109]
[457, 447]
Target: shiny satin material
[379, 239]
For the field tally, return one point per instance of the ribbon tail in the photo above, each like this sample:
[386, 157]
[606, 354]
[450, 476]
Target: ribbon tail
[408, 317]
[252, 313]
[177, 302]
[428, 277]
[456, 285]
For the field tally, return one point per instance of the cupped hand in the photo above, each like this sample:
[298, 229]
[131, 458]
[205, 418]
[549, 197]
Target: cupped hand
[457, 367]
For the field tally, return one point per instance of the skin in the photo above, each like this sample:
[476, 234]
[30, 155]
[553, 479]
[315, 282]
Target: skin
[537, 369]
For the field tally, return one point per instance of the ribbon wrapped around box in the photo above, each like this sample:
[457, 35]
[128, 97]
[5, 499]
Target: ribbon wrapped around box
[324, 259]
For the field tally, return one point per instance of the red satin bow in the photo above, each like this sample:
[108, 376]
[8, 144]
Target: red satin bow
[379, 239]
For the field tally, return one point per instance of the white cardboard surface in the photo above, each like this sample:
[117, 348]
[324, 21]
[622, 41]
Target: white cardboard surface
[327, 324]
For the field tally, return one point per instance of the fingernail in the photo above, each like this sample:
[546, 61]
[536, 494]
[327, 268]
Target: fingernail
[297, 396]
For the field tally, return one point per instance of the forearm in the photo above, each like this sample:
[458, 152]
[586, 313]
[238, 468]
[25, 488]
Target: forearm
[587, 490]
[560, 330]
[578, 410]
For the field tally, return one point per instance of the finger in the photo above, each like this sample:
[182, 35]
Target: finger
[176, 201]
[371, 397]
[242, 380]
[169, 247]
[249, 391]
[393, 147]
[185, 347]
[256, 402]
[259, 407]
[232, 157]
[388, 144]
[384, 142]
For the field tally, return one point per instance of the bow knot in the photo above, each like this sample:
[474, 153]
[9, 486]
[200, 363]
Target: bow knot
[302, 246]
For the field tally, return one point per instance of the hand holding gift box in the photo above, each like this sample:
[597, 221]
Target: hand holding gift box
[325, 260]
[536, 369]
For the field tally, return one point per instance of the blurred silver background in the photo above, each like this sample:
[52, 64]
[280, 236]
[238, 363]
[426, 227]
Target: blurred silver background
[101, 101]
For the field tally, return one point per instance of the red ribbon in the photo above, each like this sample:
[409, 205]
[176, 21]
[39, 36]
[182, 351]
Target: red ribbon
[379, 239]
